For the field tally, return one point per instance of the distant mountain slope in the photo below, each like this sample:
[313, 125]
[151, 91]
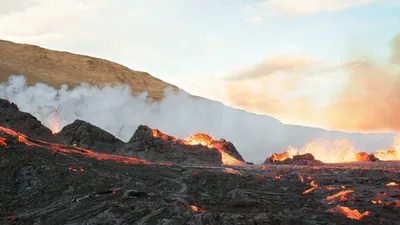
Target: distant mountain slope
[56, 68]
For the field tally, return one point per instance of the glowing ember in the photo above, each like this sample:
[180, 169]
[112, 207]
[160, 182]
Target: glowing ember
[376, 202]
[197, 209]
[157, 133]
[300, 178]
[329, 188]
[3, 141]
[204, 140]
[349, 213]
[81, 151]
[313, 187]
[341, 196]
[280, 157]
[392, 184]
[77, 170]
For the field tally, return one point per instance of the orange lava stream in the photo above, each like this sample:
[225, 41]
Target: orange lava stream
[313, 187]
[205, 140]
[81, 151]
[340, 195]
[3, 141]
[349, 213]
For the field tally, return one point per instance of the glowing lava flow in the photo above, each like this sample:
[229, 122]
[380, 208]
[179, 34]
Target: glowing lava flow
[197, 209]
[3, 141]
[76, 150]
[341, 196]
[205, 140]
[313, 187]
[349, 213]
[392, 184]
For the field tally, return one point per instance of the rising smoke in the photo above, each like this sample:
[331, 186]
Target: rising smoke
[115, 110]
[357, 95]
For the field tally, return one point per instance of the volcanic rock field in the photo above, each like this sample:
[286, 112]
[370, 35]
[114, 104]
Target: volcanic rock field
[85, 175]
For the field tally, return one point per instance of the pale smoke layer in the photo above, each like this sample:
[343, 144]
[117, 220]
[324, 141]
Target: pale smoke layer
[358, 95]
[115, 110]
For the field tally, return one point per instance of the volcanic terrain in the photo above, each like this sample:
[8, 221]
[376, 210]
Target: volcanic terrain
[84, 175]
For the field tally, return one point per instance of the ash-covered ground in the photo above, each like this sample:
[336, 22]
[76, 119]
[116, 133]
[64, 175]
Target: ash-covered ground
[45, 183]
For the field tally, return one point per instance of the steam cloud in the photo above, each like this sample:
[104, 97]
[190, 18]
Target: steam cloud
[115, 110]
[354, 96]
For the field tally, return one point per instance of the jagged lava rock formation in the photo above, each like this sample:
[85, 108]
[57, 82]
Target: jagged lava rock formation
[199, 149]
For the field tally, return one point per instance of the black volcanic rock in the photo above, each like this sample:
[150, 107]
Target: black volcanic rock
[144, 144]
[86, 135]
[11, 117]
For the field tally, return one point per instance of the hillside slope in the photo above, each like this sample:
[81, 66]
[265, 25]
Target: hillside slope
[56, 68]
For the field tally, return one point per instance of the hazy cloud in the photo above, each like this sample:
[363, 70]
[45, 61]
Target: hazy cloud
[396, 50]
[305, 7]
[254, 19]
[286, 63]
[356, 96]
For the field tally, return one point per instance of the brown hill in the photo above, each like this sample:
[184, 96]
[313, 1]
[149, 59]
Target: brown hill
[56, 68]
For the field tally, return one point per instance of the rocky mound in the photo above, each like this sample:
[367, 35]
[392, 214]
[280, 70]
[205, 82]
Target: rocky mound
[144, 144]
[11, 117]
[86, 135]
[154, 145]
[305, 159]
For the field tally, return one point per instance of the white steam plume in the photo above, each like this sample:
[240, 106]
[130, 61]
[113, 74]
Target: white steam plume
[115, 110]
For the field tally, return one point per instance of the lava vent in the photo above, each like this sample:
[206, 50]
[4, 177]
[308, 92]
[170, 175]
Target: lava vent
[199, 149]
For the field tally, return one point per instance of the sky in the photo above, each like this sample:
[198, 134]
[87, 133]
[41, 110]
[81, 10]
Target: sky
[304, 62]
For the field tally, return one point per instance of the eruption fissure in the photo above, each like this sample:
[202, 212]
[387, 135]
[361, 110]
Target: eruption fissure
[204, 140]
[338, 152]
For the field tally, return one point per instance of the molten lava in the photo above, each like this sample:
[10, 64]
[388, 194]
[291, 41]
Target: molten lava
[379, 201]
[313, 187]
[391, 154]
[328, 152]
[349, 213]
[76, 170]
[339, 151]
[204, 140]
[76, 150]
[197, 209]
[54, 122]
[3, 141]
[392, 184]
[341, 196]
